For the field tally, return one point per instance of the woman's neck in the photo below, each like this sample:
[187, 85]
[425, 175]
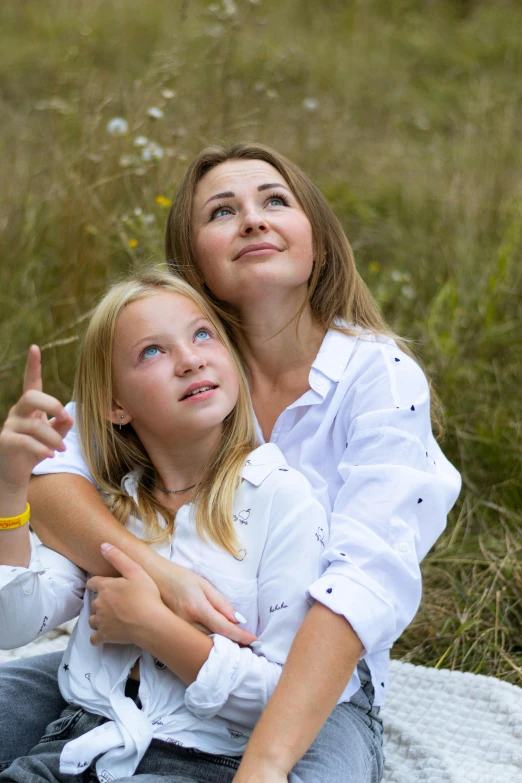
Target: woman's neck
[275, 348]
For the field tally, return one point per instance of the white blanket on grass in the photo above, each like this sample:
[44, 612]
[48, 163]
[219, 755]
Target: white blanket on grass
[440, 726]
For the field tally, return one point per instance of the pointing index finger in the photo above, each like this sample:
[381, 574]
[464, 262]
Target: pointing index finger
[33, 370]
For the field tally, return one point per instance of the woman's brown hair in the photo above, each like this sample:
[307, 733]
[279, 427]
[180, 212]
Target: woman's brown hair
[335, 290]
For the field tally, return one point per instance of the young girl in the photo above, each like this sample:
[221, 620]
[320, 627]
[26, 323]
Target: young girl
[165, 426]
[347, 405]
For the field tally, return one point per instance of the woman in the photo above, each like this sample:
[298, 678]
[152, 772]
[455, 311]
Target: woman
[166, 428]
[347, 407]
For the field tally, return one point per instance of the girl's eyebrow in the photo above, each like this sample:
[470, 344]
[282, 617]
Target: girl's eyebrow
[230, 194]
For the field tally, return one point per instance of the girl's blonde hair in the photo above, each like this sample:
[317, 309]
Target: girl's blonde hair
[111, 453]
[335, 289]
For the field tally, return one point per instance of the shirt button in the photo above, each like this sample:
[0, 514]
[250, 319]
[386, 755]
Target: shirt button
[404, 547]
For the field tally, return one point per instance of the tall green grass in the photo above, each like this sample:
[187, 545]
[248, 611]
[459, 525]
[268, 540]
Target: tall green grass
[408, 115]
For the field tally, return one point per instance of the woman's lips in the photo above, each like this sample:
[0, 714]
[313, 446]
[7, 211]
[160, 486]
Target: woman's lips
[260, 249]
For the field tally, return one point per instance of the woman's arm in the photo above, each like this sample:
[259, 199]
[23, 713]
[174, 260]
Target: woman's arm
[71, 517]
[307, 692]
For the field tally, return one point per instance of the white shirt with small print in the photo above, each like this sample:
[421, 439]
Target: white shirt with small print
[277, 518]
[362, 437]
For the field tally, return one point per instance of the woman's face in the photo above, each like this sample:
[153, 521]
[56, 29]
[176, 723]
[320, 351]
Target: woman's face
[172, 375]
[251, 239]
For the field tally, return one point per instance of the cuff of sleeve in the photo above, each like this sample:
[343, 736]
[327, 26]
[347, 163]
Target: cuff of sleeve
[370, 614]
[207, 695]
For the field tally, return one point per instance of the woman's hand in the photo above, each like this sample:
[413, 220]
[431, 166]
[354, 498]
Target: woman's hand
[27, 437]
[124, 607]
[198, 602]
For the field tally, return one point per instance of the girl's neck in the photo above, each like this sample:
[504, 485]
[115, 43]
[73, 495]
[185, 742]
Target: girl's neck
[180, 462]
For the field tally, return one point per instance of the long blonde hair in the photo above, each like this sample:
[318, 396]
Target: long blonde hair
[111, 453]
[335, 289]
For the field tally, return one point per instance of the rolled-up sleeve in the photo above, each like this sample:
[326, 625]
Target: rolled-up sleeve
[236, 682]
[397, 490]
[38, 598]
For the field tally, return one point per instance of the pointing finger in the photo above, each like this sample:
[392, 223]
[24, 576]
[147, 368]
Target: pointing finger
[33, 370]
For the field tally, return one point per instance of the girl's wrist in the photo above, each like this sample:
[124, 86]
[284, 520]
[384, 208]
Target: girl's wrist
[13, 500]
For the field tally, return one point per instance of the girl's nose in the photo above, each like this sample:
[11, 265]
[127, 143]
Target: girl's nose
[189, 361]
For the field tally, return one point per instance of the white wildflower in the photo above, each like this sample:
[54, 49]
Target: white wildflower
[396, 276]
[151, 152]
[126, 161]
[141, 141]
[271, 93]
[148, 219]
[138, 211]
[155, 113]
[310, 104]
[408, 291]
[117, 126]
[168, 94]
[229, 7]
[216, 31]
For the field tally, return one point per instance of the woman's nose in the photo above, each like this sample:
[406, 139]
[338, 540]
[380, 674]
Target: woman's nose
[254, 221]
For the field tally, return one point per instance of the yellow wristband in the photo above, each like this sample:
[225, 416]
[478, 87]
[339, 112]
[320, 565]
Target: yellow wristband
[9, 523]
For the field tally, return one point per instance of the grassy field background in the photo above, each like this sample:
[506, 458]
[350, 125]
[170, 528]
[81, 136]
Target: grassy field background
[407, 114]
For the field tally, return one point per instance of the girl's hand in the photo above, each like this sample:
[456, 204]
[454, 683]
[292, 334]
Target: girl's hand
[124, 606]
[27, 437]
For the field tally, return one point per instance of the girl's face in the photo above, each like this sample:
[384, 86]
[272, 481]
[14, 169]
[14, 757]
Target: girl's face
[250, 236]
[172, 376]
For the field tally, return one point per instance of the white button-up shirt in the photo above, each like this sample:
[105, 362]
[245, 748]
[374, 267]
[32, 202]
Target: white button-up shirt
[277, 518]
[362, 437]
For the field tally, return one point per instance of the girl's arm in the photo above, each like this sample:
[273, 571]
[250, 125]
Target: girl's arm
[226, 680]
[129, 610]
[27, 438]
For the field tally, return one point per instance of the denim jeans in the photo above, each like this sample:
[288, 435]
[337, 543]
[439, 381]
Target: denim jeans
[348, 748]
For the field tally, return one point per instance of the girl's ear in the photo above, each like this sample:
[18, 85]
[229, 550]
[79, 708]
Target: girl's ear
[117, 415]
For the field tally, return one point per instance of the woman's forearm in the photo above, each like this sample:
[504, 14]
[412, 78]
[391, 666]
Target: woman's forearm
[69, 516]
[322, 659]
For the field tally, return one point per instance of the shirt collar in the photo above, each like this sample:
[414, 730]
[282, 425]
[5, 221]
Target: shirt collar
[261, 462]
[335, 352]
[258, 466]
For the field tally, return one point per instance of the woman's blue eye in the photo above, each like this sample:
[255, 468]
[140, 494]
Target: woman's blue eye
[202, 334]
[150, 351]
[278, 199]
[219, 211]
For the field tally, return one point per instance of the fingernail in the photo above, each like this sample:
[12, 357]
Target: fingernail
[239, 617]
[106, 547]
[63, 415]
[255, 645]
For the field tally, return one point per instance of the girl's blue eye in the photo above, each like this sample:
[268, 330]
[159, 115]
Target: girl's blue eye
[150, 351]
[202, 334]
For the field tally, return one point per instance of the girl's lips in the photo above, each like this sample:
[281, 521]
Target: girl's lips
[199, 396]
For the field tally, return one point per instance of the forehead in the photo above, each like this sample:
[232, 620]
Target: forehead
[165, 308]
[236, 176]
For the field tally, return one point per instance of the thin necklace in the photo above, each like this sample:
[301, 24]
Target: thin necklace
[177, 491]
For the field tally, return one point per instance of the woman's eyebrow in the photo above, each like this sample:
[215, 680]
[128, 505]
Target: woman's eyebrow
[230, 194]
